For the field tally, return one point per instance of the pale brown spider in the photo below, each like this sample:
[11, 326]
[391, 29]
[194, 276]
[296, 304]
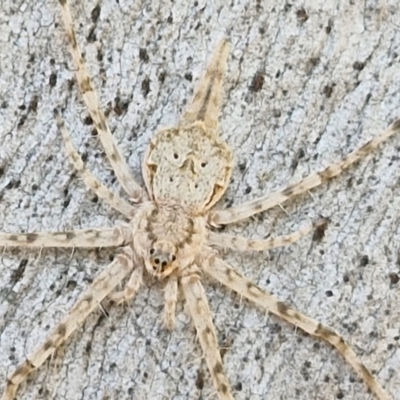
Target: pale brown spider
[168, 235]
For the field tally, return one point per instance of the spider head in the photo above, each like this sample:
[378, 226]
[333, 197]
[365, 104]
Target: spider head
[161, 259]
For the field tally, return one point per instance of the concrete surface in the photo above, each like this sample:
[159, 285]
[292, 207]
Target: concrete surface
[331, 82]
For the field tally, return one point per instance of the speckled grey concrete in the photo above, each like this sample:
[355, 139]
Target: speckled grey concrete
[332, 81]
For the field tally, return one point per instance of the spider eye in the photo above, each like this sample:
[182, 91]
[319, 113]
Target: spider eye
[164, 264]
[203, 164]
[173, 258]
[152, 251]
[157, 261]
[175, 156]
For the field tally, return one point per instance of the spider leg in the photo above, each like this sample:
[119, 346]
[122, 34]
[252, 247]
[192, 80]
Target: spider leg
[131, 288]
[101, 237]
[245, 210]
[240, 243]
[171, 298]
[91, 298]
[201, 315]
[225, 274]
[115, 158]
[206, 101]
[89, 180]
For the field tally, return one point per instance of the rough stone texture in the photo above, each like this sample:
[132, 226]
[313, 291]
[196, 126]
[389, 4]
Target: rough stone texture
[331, 81]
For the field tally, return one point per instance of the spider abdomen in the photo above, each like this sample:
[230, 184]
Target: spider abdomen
[189, 166]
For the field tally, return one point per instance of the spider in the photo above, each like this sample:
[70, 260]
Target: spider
[168, 235]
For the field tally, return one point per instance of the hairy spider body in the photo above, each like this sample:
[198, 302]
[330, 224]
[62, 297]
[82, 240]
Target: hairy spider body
[167, 238]
[190, 166]
[169, 233]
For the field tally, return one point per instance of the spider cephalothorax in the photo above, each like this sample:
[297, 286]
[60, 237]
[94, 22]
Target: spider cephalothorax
[167, 237]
